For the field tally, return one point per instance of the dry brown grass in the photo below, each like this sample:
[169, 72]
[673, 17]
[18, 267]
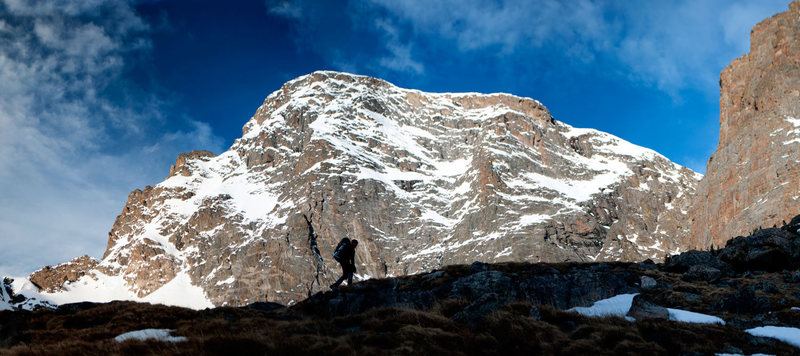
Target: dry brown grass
[510, 330]
[309, 328]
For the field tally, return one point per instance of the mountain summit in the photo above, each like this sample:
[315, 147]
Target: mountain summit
[423, 180]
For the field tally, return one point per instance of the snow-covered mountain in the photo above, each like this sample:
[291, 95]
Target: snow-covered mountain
[421, 179]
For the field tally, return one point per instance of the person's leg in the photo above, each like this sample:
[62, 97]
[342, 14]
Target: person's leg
[338, 281]
[350, 271]
[341, 279]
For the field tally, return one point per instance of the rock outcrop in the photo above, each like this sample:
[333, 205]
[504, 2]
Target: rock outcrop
[423, 180]
[51, 279]
[752, 178]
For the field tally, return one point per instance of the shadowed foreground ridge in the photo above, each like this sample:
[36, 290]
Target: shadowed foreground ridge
[516, 308]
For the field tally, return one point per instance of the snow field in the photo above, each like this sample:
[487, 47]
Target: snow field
[178, 292]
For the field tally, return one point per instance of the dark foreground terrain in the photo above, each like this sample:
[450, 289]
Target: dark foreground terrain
[513, 308]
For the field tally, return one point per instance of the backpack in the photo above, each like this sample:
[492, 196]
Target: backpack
[338, 254]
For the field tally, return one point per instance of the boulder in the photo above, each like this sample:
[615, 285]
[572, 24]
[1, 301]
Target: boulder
[683, 262]
[641, 309]
[578, 287]
[768, 250]
[648, 282]
[745, 301]
[702, 273]
[480, 308]
[793, 225]
[482, 283]
[647, 265]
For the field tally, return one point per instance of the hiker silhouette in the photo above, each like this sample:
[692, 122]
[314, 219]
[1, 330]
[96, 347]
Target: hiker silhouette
[345, 254]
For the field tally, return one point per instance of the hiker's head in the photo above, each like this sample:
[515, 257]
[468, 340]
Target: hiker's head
[354, 242]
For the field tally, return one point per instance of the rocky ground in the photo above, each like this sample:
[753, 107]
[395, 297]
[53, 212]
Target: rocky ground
[515, 308]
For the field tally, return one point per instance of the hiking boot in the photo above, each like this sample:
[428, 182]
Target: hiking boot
[334, 286]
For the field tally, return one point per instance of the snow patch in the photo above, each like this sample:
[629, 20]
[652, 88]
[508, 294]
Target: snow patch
[796, 123]
[180, 292]
[531, 219]
[692, 317]
[619, 305]
[788, 335]
[253, 201]
[227, 281]
[506, 252]
[577, 190]
[430, 215]
[615, 306]
[146, 334]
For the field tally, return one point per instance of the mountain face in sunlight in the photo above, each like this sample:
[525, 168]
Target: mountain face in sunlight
[423, 180]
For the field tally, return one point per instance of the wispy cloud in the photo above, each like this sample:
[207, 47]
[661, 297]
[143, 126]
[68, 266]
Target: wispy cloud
[511, 24]
[289, 9]
[76, 134]
[672, 46]
[399, 58]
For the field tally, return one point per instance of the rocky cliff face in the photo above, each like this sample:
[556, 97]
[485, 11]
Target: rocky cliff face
[752, 178]
[51, 279]
[422, 180]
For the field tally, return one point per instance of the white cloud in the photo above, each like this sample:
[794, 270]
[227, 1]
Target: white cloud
[287, 9]
[509, 24]
[400, 53]
[671, 45]
[70, 151]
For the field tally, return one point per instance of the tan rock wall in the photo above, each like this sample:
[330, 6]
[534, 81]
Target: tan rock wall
[752, 179]
[52, 279]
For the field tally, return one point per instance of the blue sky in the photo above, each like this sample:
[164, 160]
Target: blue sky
[98, 97]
